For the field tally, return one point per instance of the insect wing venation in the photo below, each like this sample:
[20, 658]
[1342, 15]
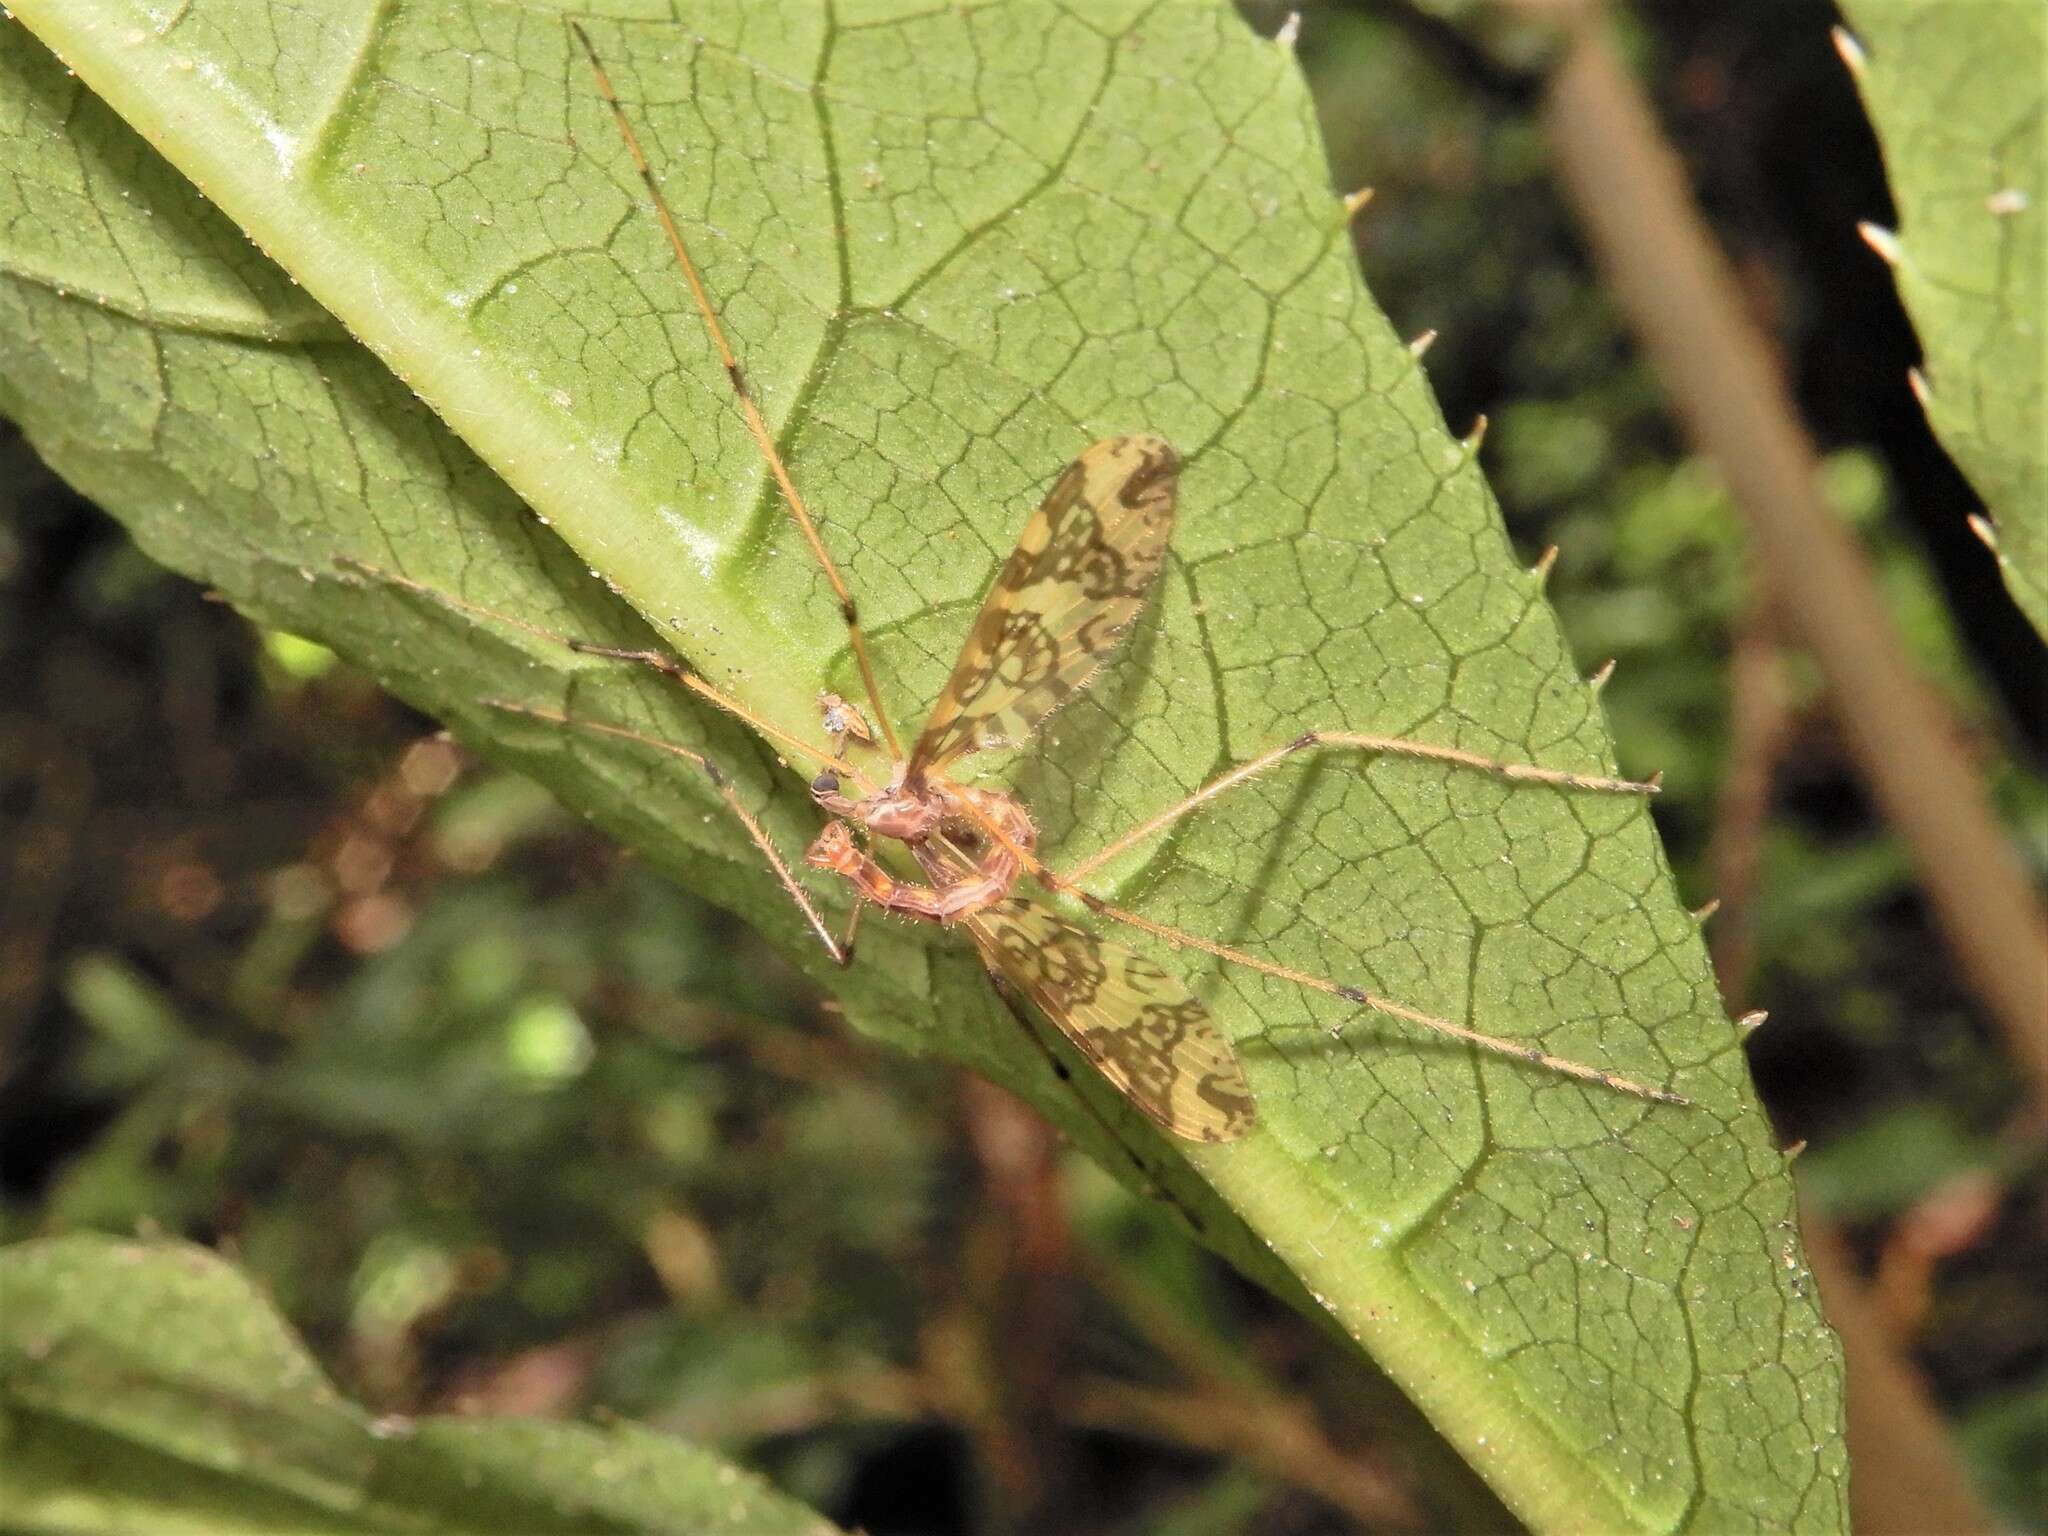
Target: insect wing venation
[1080, 572]
[1131, 1018]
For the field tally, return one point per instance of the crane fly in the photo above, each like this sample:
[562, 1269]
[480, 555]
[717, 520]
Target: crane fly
[1080, 572]
[1082, 569]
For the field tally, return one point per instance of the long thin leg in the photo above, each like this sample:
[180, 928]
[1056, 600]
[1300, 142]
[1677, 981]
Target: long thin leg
[1390, 745]
[1529, 1053]
[659, 661]
[842, 954]
[852, 932]
[756, 423]
[860, 834]
[1181, 938]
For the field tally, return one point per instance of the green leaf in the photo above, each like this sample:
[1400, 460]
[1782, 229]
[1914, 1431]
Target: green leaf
[147, 1387]
[955, 245]
[1956, 93]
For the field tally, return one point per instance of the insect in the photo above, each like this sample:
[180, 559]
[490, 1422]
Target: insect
[843, 721]
[1082, 569]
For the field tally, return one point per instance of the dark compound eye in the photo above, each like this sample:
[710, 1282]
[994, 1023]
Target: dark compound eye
[825, 784]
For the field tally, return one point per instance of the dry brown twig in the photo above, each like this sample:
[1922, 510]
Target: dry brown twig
[1909, 1474]
[1759, 730]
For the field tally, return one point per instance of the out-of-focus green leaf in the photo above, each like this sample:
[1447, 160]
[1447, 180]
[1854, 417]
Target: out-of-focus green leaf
[136, 1028]
[1956, 93]
[955, 245]
[2006, 1437]
[1883, 1165]
[145, 1388]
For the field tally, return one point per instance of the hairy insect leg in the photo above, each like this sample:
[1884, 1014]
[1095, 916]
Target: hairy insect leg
[1393, 746]
[852, 932]
[860, 834]
[757, 424]
[841, 952]
[658, 661]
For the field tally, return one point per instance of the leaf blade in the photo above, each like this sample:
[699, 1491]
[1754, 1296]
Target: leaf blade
[1339, 563]
[1956, 96]
[147, 1387]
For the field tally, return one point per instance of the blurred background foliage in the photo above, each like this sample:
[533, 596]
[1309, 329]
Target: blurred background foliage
[501, 1119]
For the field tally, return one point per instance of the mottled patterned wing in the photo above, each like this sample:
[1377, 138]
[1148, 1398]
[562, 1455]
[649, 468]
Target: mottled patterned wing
[1080, 572]
[1131, 1018]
